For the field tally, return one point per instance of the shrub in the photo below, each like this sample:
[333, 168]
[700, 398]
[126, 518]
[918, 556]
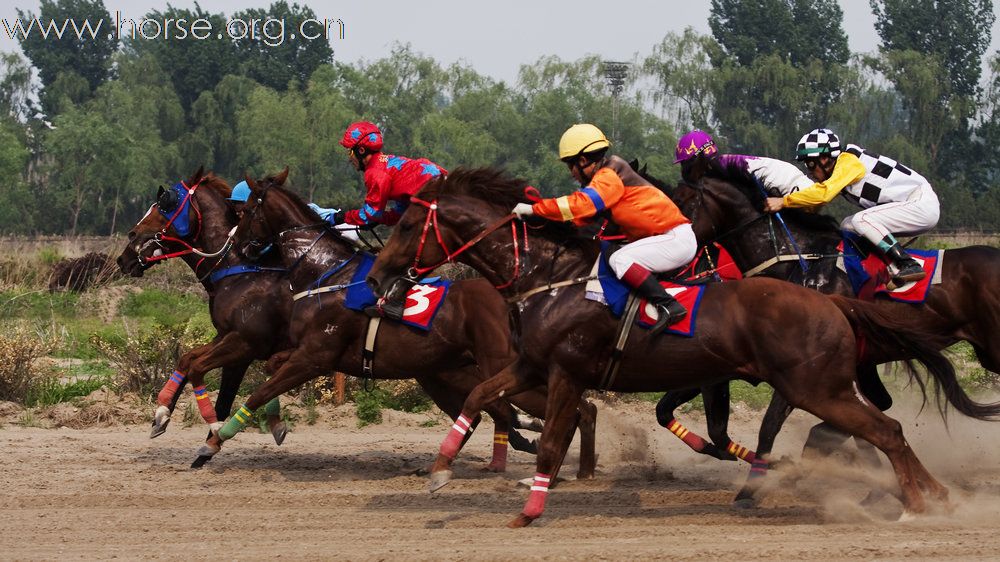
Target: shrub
[20, 349]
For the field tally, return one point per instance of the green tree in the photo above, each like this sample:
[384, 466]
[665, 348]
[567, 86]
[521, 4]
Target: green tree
[16, 89]
[796, 30]
[274, 58]
[958, 31]
[193, 65]
[74, 42]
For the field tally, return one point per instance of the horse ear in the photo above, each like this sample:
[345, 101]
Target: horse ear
[281, 177]
[159, 192]
[200, 173]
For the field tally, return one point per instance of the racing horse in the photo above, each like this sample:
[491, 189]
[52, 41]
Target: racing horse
[250, 304]
[800, 341]
[726, 208]
[468, 337]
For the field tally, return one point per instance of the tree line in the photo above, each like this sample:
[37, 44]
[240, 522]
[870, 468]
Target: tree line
[84, 146]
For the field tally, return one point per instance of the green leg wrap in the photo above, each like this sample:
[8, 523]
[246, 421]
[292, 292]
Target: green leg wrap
[236, 423]
[273, 408]
[888, 242]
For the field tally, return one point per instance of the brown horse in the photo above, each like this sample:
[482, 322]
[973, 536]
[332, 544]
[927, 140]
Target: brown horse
[250, 308]
[244, 334]
[964, 307]
[469, 336]
[798, 340]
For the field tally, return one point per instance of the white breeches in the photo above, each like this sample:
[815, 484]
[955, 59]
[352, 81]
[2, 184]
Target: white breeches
[664, 252]
[918, 214]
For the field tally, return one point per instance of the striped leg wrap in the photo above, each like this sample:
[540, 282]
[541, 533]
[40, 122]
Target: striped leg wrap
[539, 491]
[499, 450]
[205, 404]
[758, 468]
[453, 442]
[174, 383]
[684, 434]
[742, 453]
[236, 423]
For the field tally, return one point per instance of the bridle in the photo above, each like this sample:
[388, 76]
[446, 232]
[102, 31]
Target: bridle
[266, 243]
[416, 272]
[161, 237]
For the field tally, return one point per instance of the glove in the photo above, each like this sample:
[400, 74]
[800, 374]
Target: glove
[337, 217]
[523, 210]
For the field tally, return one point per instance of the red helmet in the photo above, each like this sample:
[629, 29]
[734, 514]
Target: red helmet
[363, 134]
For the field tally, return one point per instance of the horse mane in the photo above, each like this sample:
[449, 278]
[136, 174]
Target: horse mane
[496, 187]
[272, 184]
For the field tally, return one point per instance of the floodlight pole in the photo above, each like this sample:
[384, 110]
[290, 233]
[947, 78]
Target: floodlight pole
[615, 73]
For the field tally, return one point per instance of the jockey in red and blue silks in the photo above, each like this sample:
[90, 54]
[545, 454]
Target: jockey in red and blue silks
[390, 180]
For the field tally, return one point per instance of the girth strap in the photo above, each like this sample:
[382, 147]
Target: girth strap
[368, 353]
[624, 329]
[786, 257]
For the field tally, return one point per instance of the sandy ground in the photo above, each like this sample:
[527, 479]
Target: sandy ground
[335, 491]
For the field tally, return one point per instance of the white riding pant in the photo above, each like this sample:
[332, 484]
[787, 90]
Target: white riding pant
[664, 252]
[918, 214]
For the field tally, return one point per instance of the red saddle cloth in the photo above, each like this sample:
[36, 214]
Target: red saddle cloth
[870, 276]
[688, 296]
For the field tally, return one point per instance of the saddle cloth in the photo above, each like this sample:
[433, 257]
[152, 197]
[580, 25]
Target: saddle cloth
[423, 301]
[869, 275]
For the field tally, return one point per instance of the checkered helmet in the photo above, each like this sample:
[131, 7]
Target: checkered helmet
[816, 142]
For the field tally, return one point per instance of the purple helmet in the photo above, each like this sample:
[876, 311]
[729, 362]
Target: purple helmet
[694, 143]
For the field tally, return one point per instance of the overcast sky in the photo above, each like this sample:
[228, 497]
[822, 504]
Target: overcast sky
[496, 38]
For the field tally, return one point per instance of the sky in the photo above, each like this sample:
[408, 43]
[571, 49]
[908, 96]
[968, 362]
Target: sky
[497, 38]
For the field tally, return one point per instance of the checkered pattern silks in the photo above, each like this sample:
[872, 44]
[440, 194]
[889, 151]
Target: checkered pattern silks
[887, 181]
[816, 142]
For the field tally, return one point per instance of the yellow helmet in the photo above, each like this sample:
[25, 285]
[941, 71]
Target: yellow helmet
[581, 138]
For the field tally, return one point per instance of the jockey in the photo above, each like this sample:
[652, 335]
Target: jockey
[895, 199]
[697, 154]
[659, 237]
[390, 181]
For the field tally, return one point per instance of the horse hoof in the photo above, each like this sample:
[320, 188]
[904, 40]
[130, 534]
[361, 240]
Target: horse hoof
[907, 516]
[279, 432]
[520, 521]
[495, 468]
[439, 480]
[159, 429]
[745, 503]
[200, 461]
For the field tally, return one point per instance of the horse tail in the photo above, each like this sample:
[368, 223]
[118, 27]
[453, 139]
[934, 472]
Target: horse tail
[887, 331]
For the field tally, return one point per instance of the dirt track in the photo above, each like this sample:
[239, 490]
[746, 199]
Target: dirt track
[340, 492]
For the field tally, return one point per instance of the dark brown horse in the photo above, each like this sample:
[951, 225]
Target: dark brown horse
[250, 308]
[964, 307]
[469, 336]
[798, 340]
[244, 334]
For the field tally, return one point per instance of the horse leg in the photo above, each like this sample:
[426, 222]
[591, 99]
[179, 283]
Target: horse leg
[513, 379]
[560, 422]
[777, 412]
[716, 399]
[305, 363]
[587, 424]
[171, 392]
[863, 420]
[666, 418]
[232, 349]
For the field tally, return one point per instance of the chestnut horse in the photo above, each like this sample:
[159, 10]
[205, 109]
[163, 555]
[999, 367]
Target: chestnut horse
[798, 340]
[965, 306]
[250, 309]
[469, 337]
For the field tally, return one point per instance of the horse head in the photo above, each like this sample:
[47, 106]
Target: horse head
[462, 217]
[184, 217]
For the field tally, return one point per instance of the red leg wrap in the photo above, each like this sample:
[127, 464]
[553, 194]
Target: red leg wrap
[741, 452]
[205, 405]
[166, 395]
[684, 434]
[453, 442]
[499, 461]
[539, 492]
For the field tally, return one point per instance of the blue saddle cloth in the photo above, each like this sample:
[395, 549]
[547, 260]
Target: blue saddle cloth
[360, 296]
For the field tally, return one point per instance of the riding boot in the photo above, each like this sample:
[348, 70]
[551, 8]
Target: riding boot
[904, 268]
[391, 309]
[669, 311]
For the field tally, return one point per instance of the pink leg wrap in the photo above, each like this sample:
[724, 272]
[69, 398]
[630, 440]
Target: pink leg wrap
[499, 450]
[684, 434]
[741, 452]
[166, 395]
[205, 404]
[453, 442]
[536, 500]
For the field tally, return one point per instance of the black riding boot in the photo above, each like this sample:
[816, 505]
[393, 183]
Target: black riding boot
[391, 309]
[668, 309]
[906, 268]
